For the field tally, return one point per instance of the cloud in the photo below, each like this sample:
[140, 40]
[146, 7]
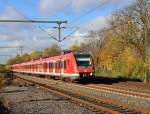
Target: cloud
[11, 14]
[20, 34]
[34, 40]
[31, 38]
[50, 7]
[96, 24]
[79, 5]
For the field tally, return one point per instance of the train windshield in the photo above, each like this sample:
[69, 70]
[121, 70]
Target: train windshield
[84, 61]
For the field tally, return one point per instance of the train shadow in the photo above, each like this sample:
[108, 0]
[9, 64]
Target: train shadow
[105, 80]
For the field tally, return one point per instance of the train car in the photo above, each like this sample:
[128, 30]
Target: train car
[67, 66]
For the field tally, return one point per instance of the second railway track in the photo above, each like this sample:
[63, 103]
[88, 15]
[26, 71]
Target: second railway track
[137, 94]
[94, 102]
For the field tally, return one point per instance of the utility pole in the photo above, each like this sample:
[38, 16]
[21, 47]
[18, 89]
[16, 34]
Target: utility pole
[59, 31]
[39, 21]
[20, 47]
[21, 50]
[60, 40]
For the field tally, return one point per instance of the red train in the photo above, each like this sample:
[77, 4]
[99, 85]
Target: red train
[67, 66]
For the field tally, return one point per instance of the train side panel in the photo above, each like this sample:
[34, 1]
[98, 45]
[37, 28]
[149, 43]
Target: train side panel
[64, 65]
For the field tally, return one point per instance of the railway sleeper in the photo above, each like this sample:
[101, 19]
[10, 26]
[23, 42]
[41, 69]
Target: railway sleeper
[94, 101]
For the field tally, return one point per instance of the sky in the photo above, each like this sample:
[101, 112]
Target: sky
[82, 16]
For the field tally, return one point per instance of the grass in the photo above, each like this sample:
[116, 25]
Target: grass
[116, 75]
[102, 74]
[3, 81]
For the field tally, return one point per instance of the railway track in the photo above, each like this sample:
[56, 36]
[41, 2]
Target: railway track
[96, 103]
[144, 95]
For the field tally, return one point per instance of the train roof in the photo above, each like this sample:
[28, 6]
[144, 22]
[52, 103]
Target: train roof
[51, 58]
[43, 59]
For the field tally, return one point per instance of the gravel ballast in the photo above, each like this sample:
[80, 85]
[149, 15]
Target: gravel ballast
[133, 101]
[33, 100]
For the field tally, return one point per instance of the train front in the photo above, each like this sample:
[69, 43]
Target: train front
[85, 66]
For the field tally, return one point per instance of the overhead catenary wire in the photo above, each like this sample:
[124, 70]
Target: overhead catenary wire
[29, 2]
[85, 14]
[32, 21]
[48, 33]
[18, 47]
[10, 5]
[76, 28]
[67, 5]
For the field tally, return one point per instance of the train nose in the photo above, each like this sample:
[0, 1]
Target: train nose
[85, 73]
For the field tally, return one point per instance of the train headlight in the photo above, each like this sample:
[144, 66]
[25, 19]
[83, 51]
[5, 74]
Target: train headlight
[91, 74]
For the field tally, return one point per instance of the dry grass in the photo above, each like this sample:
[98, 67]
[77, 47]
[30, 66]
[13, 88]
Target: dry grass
[4, 82]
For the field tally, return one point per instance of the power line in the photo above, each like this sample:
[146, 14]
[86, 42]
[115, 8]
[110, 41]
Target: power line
[9, 4]
[20, 47]
[33, 5]
[10, 46]
[88, 12]
[29, 2]
[5, 55]
[32, 21]
[48, 33]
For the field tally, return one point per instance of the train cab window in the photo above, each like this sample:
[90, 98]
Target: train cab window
[84, 61]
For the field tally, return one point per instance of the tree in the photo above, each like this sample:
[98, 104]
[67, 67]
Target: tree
[132, 27]
[75, 47]
[35, 55]
[25, 57]
[54, 50]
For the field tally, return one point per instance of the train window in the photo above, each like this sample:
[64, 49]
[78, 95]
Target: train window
[59, 64]
[53, 65]
[50, 65]
[65, 65]
[56, 65]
